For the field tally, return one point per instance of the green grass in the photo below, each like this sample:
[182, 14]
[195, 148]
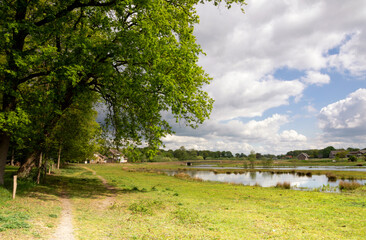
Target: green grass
[156, 206]
[31, 215]
[151, 205]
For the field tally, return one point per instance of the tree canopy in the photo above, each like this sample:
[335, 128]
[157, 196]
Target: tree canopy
[139, 56]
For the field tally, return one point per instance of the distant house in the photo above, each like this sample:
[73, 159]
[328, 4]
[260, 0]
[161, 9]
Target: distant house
[332, 154]
[116, 157]
[303, 156]
[99, 158]
[358, 153]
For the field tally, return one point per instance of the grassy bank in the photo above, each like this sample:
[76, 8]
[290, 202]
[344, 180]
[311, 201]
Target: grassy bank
[155, 206]
[33, 214]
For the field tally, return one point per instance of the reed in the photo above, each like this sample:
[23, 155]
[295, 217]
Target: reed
[343, 185]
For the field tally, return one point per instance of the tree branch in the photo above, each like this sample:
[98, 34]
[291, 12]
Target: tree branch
[34, 75]
[76, 4]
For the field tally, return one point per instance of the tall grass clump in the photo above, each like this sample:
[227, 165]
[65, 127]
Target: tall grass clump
[186, 176]
[343, 185]
[284, 185]
[331, 177]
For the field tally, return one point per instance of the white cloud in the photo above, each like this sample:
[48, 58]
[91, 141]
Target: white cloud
[239, 94]
[292, 136]
[244, 51]
[310, 109]
[352, 55]
[238, 136]
[316, 78]
[346, 117]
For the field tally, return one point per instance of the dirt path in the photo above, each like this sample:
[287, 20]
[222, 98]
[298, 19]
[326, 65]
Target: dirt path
[65, 230]
[110, 199]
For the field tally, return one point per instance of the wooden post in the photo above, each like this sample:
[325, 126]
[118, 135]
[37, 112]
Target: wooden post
[12, 158]
[14, 185]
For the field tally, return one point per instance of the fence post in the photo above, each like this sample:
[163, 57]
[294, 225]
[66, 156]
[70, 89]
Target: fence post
[14, 185]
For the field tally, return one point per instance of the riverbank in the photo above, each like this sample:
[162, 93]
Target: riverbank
[148, 205]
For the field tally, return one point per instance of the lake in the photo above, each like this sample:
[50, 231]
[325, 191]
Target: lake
[268, 179]
[330, 168]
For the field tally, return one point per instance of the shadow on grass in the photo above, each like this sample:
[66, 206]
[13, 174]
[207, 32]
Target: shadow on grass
[81, 184]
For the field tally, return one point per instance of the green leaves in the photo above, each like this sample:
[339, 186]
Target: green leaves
[139, 56]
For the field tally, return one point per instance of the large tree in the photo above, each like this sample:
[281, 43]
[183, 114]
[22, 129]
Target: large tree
[140, 56]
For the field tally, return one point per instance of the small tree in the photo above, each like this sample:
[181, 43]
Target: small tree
[252, 157]
[352, 158]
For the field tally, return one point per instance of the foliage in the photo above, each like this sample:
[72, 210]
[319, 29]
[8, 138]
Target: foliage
[77, 132]
[331, 176]
[284, 185]
[352, 158]
[251, 158]
[140, 57]
[341, 154]
[343, 185]
[326, 151]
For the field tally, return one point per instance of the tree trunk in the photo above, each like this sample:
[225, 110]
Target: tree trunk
[59, 157]
[12, 158]
[39, 168]
[27, 166]
[4, 147]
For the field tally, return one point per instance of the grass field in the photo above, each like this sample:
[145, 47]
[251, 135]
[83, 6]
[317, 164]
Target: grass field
[155, 206]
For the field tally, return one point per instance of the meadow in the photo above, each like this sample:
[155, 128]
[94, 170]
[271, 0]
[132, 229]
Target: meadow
[151, 205]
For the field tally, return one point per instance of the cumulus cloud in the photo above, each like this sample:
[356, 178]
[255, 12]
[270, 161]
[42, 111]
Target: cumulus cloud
[346, 117]
[316, 78]
[237, 136]
[352, 55]
[240, 94]
[244, 51]
[292, 136]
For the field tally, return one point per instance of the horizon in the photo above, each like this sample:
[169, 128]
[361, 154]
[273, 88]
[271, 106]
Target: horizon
[286, 75]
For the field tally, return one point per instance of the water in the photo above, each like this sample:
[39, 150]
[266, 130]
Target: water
[330, 168]
[268, 179]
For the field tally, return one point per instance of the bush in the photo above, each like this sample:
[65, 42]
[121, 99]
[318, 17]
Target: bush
[352, 158]
[348, 185]
[331, 177]
[284, 185]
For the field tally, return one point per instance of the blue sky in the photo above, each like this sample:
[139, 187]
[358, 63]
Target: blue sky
[287, 75]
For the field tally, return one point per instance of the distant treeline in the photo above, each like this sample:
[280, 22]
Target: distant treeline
[181, 154]
[318, 153]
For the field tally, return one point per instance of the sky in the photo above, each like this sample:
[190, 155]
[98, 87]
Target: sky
[287, 75]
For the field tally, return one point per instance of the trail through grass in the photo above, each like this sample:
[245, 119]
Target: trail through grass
[147, 205]
[155, 206]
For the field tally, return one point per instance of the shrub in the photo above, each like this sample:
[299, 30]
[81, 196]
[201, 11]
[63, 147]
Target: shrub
[331, 177]
[186, 176]
[182, 175]
[284, 185]
[348, 185]
[352, 158]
